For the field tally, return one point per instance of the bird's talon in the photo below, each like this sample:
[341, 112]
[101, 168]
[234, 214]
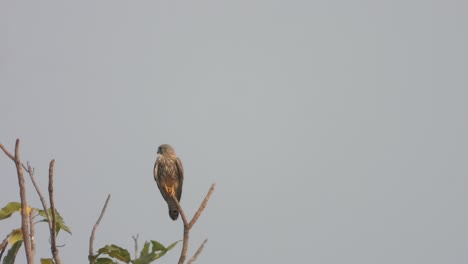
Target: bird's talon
[170, 191]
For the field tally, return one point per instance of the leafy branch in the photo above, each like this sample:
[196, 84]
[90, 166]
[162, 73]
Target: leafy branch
[28, 214]
[15, 238]
[109, 254]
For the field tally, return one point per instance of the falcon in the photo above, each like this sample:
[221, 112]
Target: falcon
[169, 176]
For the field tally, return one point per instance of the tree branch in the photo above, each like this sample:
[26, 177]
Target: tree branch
[91, 238]
[200, 249]
[31, 231]
[135, 239]
[30, 171]
[24, 204]
[188, 226]
[7, 152]
[202, 206]
[53, 231]
[183, 253]
[181, 212]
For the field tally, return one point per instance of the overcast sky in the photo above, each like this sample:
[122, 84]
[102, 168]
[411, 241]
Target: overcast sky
[336, 130]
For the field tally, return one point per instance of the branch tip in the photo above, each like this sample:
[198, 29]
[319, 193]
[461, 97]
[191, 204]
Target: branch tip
[189, 225]
[93, 232]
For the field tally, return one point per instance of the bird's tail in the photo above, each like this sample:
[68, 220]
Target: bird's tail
[173, 212]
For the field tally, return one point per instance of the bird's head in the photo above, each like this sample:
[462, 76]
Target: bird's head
[166, 149]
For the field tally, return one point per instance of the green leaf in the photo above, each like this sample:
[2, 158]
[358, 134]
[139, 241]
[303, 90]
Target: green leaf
[47, 261]
[11, 255]
[162, 252]
[115, 252]
[145, 256]
[171, 246]
[145, 250]
[60, 223]
[9, 209]
[104, 261]
[16, 236]
[157, 246]
[157, 251]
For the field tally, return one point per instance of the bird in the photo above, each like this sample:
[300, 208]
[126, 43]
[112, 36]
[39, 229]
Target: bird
[169, 176]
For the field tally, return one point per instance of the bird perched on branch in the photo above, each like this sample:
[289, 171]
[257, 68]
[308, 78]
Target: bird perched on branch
[169, 175]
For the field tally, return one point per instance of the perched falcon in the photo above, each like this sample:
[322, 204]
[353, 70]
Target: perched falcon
[169, 175]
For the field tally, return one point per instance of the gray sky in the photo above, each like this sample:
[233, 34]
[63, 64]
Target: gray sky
[336, 131]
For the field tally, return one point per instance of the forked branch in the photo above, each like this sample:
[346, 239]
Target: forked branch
[135, 240]
[189, 225]
[51, 220]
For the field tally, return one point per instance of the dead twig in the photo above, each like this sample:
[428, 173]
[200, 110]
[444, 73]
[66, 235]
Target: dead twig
[200, 249]
[24, 204]
[91, 238]
[189, 225]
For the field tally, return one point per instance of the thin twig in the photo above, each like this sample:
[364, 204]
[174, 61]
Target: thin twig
[202, 206]
[199, 250]
[135, 238]
[188, 226]
[53, 231]
[30, 171]
[91, 239]
[7, 152]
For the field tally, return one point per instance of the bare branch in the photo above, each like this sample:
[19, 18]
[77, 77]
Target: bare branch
[31, 232]
[24, 204]
[200, 249]
[135, 238]
[53, 231]
[91, 239]
[181, 212]
[202, 206]
[188, 226]
[7, 152]
[183, 253]
[41, 196]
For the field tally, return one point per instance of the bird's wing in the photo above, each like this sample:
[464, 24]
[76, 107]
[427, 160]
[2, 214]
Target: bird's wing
[180, 176]
[157, 179]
